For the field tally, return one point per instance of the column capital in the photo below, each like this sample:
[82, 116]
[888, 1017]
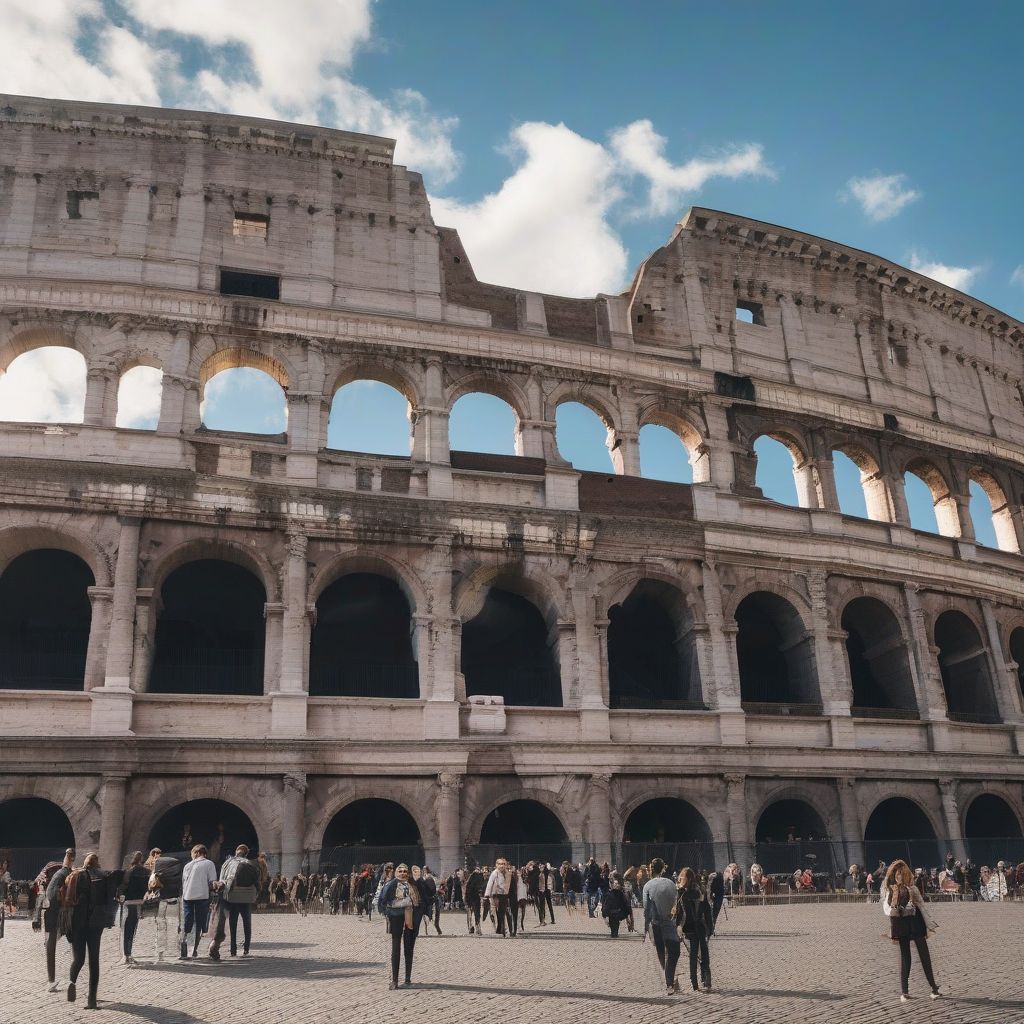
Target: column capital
[948, 787]
[734, 779]
[295, 781]
[298, 543]
[846, 783]
[450, 782]
[602, 780]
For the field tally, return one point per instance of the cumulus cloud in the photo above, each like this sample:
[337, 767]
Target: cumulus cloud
[1017, 277]
[882, 196]
[639, 150]
[960, 278]
[138, 398]
[46, 385]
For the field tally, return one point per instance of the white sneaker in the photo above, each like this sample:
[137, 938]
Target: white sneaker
[54, 986]
[904, 998]
[123, 962]
[936, 994]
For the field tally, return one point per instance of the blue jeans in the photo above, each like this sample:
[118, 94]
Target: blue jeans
[592, 899]
[197, 913]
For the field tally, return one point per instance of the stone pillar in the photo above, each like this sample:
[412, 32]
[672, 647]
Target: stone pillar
[449, 822]
[98, 382]
[568, 668]
[121, 637]
[624, 447]
[293, 822]
[931, 697]
[951, 818]
[898, 498]
[99, 627]
[830, 661]
[853, 830]
[741, 847]
[806, 478]
[175, 385]
[146, 613]
[720, 449]
[721, 689]
[289, 696]
[824, 478]
[1004, 676]
[599, 833]
[112, 822]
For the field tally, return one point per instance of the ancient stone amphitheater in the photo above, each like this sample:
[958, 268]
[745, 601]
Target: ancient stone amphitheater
[256, 636]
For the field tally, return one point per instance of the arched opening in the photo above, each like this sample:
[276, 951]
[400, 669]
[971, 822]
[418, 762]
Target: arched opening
[210, 633]
[480, 422]
[993, 831]
[652, 657]
[931, 506]
[664, 456]
[139, 393]
[791, 835]
[775, 474]
[361, 644]
[46, 385]
[849, 486]
[669, 828]
[776, 656]
[45, 616]
[371, 831]
[219, 825]
[963, 662]
[1017, 654]
[508, 650]
[582, 438]
[522, 830]
[990, 513]
[899, 829]
[32, 832]
[244, 400]
[860, 486]
[372, 417]
[879, 666]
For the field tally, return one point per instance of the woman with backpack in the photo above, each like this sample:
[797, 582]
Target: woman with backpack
[401, 903]
[51, 916]
[88, 907]
[909, 921]
[693, 915]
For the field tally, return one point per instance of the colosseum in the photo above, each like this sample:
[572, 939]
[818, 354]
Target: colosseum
[312, 648]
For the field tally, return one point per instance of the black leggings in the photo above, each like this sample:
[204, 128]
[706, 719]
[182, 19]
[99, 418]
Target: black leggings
[83, 941]
[668, 954]
[51, 953]
[923, 955]
[699, 946]
[401, 937]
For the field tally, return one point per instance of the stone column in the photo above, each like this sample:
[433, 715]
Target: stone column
[121, 637]
[293, 822]
[449, 822]
[98, 381]
[742, 848]
[951, 818]
[568, 668]
[112, 822]
[1004, 679]
[175, 385]
[624, 448]
[853, 830]
[289, 696]
[599, 834]
[146, 613]
[99, 626]
[931, 697]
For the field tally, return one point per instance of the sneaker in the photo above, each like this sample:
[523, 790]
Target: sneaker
[671, 990]
[213, 954]
[407, 983]
[54, 986]
[246, 952]
[936, 994]
[707, 986]
[123, 962]
[72, 992]
[195, 954]
[904, 998]
[392, 985]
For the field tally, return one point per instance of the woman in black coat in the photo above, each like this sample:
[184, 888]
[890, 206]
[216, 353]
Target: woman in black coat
[94, 908]
[51, 913]
[693, 915]
[615, 906]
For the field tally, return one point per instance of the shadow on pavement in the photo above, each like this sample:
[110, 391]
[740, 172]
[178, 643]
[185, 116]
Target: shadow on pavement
[154, 1014]
[549, 993]
[263, 967]
[784, 993]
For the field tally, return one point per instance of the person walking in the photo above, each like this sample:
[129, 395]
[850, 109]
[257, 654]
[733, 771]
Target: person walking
[716, 894]
[909, 921]
[473, 894]
[89, 894]
[401, 903]
[497, 891]
[131, 894]
[591, 885]
[545, 881]
[659, 899]
[431, 901]
[693, 914]
[615, 906]
[165, 885]
[239, 879]
[51, 917]
[197, 881]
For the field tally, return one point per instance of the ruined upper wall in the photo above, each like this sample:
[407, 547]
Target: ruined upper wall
[830, 318]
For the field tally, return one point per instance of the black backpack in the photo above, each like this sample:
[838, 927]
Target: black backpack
[168, 870]
[246, 874]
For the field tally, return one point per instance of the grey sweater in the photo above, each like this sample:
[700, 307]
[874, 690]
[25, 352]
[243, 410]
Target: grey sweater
[662, 893]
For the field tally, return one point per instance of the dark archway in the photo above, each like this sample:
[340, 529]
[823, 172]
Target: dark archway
[963, 662]
[672, 829]
[362, 641]
[993, 831]
[219, 825]
[32, 832]
[210, 634]
[792, 835]
[371, 831]
[509, 651]
[522, 830]
[776, 655]
[652, 658]
[899, 829]
[877, 655]
[1017, 654]
[45, 615]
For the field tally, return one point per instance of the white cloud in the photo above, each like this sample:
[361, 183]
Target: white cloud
[46, 385]
[881, 196]
[960, 278]
[639, 150]
[1017, 277]
[138, 398]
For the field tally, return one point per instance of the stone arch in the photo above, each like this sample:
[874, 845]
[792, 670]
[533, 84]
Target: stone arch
[805, 806]
[963, 659]
[533, 793]
[154, 573]
[528, 581]
[356, 789]
[716, 818]
[769, 585]
[18, 540]
[1002, 515]
[617, 587]
[78, 801]
[596, 401]
[31, 335]
[930, 812]
[490, 382]
[877, 654]
[333, 566]
[877, 499]
[210, 358]
[391, 372]
[946, 514]
[821, 800]
[694, 440]
[969, 795]
[918, 850]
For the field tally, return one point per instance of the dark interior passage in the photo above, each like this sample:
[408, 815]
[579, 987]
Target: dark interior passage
[791, 835]
[993, 831]
[210, 634]
[877, 655]
[45, 617]
[1017, 653]
[672, 829]
[220, 826]
[370, 831]
[507, 651]
[898, 828]
[523, 830]
[775, 652]
[652, 660]
[963, 662]
[362, 641]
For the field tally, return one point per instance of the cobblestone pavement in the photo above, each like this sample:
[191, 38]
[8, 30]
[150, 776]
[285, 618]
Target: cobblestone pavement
[818, 963]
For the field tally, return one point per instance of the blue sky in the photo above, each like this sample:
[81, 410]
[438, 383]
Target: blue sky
[564, 140]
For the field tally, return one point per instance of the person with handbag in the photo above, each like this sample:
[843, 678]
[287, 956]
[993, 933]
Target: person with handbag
[401, 903]
[909, 921]
[51, 915]
[89, 896]
[615, 907]
[694, 916]
[658, 900]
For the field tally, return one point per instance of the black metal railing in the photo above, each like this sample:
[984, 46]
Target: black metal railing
[205, 670]
[521, 686]
[624, 702]
[899, 714]
[973, 717]
[781, 708]
[43, 659]
[398, 680]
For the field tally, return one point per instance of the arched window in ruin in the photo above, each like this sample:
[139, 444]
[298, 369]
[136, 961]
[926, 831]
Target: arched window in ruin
[510, 650]
[963, 661]
[1017, 654]
[931, 505]
[210, 632]
[218, 825]
[776, 655]
[899, 829]
[243, 391]
[523, 830]
[859, 484]
[663, 455]
[361, 644]
[482, 422]
[879, 665]
[371, 417]
[990, 513]
[139, 393]
[45, 385]
[669, 828]
[582, 438]
[993, 831]
[32, 832]
[652, 657]
[371, 831]
[791, 835]
[778, 459]
[45, 617]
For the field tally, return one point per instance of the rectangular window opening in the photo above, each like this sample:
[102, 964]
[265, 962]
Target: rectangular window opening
[83, 205]
[255, 286]
[750, 313]
[251, 225]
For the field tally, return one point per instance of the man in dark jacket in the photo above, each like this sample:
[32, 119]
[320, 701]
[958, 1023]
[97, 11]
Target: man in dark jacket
[474, 893]
[716, 892]
[428, 892]
[591, 884]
